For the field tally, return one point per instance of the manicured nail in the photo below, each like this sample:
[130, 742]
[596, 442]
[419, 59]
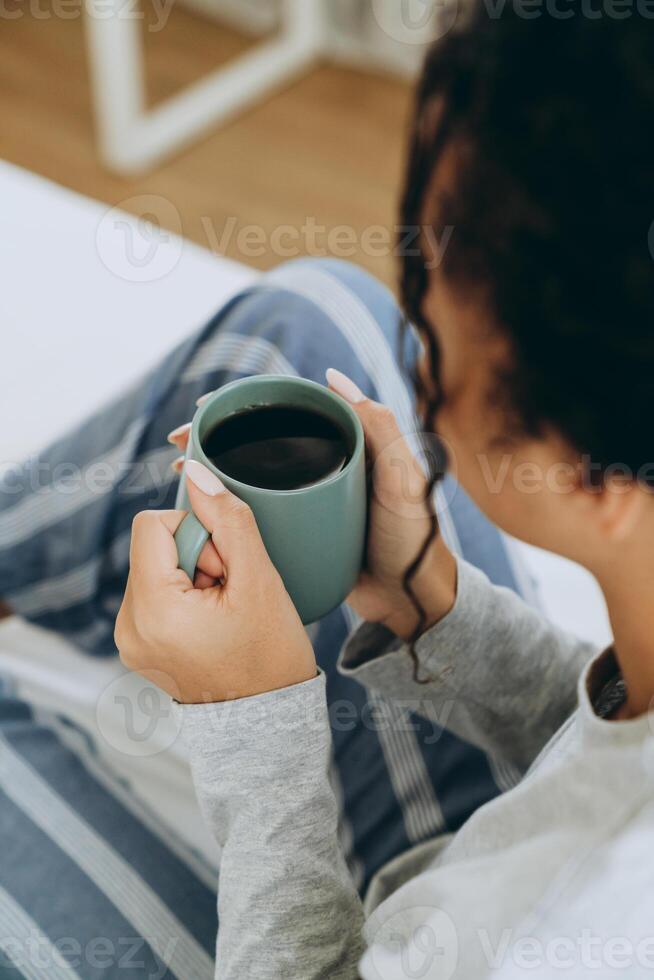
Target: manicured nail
[205, 398]
[204, 479]
[177, 433]
[344, 386]
[178, 464]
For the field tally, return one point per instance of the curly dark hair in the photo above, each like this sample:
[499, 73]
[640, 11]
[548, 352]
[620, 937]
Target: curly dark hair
[552, 210]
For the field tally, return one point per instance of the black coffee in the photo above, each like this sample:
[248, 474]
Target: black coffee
[277, 447]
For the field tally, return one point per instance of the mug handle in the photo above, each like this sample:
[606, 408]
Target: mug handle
[190, 538]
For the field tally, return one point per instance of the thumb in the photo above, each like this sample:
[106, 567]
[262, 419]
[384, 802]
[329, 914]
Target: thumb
[379, 422]
[397, 473]
[152, 551]
[228, 519]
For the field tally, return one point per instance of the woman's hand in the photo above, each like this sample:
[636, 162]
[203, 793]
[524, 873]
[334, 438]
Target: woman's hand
[399, 523]
[232, 638]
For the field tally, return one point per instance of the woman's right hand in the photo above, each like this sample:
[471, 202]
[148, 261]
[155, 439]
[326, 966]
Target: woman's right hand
[399, 523]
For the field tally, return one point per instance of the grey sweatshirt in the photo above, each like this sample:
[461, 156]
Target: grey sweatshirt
[554, 878]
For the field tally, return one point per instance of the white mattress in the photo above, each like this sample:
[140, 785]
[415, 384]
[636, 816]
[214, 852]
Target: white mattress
[79, 321]
[77, 326]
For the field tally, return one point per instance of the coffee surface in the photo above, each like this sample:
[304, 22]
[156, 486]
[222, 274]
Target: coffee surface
[277, 447]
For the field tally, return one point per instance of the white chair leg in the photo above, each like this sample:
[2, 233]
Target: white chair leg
[132, 139]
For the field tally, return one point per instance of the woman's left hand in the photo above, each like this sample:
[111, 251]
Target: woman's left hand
[237, 637]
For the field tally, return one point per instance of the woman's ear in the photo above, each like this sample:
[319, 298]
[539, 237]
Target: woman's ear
[618, 506]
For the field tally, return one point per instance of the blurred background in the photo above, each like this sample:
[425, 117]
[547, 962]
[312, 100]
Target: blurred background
[263, 128]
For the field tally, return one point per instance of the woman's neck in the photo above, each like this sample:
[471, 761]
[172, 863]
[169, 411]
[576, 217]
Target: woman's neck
[628, 587]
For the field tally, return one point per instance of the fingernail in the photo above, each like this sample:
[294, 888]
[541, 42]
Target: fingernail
[344, 386]
[204, 479]
[178, 464]
[205, 398]
[181, 431]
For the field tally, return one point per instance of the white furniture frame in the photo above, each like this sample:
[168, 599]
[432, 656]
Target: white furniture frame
[133, 139]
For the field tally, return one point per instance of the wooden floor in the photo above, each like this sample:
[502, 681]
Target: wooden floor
[328, 149]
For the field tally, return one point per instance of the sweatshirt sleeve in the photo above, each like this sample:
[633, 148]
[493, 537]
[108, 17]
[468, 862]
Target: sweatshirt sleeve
[494, 671]
[287, 906]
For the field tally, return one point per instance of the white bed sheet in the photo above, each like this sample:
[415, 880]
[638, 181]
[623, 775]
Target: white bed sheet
[76, 325]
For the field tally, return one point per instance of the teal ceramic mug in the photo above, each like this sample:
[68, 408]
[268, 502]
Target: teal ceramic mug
[315, 536]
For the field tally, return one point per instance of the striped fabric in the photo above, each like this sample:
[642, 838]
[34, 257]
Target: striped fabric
[90, 886]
